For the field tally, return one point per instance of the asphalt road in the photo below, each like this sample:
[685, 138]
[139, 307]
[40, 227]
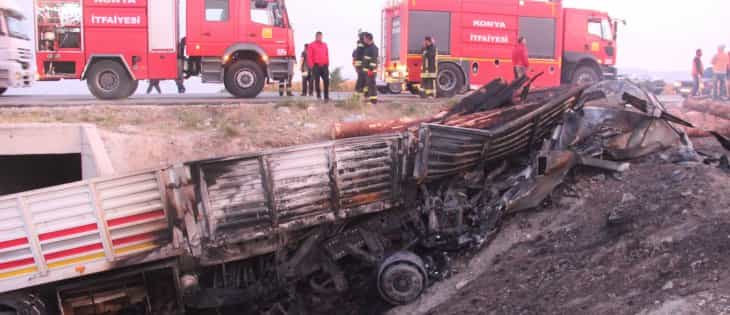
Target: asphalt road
[164, 100]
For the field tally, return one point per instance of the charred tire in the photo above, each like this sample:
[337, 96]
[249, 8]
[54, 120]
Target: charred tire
[586, 75]
[22, 304]
[109, 80]
[3, 90]
[401, 278]
[244, 79]
[450, 80]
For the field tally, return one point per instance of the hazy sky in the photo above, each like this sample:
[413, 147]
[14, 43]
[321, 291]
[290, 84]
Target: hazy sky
[660, 35]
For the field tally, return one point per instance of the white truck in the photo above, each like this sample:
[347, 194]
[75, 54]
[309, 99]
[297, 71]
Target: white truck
[16, 50]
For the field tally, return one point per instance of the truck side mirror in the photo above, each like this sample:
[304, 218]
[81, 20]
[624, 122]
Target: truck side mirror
[261, 4]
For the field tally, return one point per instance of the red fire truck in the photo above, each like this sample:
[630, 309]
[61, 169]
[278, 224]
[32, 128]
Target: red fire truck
[475, 41]
[113, 44]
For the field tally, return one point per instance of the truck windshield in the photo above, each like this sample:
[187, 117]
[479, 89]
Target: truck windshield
[272, 15]
[607, 30]
[17, 27]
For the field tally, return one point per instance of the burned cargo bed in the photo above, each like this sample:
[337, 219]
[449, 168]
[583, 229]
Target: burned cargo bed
[447, 150]
[263, 196]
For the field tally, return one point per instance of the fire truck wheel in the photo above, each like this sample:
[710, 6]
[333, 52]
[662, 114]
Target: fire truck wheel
[132, 88]
[586, 75]
[450, 81]
[109, 80]
[395, 88]
[401, 278]
[3, 90]
[244, 79]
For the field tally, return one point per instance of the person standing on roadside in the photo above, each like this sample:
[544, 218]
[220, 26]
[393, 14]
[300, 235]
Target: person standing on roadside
[319, 61]
[520, 58]
[370, 67]
[727, 77]
[697, 71]
[154, 84]
[357, 55]
[719, 68]
[180, 83]
[429, 71]
[307, 86]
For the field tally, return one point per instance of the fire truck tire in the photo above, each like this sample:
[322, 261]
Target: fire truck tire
[395, 88]
[450, 80]
[133, 88]
[586, 75]
[3, 90]
[244, 79]
[109, 80]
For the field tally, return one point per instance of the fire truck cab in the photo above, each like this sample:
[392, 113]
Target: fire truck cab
[113, 44]
[475, 40]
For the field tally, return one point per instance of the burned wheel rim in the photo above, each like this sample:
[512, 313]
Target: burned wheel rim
[586, 78]
[447, 80]
[245, 78]
[109, 80]
[401, 278]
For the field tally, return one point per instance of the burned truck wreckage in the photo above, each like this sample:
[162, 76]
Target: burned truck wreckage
[293, 230]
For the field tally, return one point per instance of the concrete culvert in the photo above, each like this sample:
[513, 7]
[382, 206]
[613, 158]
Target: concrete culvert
[34, 156]
[28, 172]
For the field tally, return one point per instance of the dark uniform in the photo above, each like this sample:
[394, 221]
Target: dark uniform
[357, 58]
[369, 69]
[429, 71]
[285, 84]
[307, 84]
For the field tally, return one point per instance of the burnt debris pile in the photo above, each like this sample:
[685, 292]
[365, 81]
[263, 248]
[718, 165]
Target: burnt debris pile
[505, 149]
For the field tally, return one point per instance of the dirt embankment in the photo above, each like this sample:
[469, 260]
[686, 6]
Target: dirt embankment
[655, 240]
[141, 137]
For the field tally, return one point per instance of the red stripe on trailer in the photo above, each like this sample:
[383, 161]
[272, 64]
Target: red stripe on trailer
[13, 243]
[73, 251]
[67, 232]
[135, 218]
[134, 238]
[17, 263]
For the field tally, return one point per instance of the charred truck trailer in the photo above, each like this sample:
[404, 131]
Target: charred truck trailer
[113, 44]
[296, 224]
[475, 41]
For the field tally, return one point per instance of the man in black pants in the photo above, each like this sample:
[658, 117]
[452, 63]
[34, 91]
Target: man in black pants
[357, 55]
[319, 62]
[370, 68]
[429, 69]
[307, 85]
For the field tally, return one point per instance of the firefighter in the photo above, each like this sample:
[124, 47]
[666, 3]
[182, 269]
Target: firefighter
[429, 70]
[520, 58]
[285, 86]
[154, 84]
[307, 85]
[357, 56]
[370, 67]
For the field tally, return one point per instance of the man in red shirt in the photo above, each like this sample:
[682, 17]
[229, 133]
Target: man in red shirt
[520, 59]
[319, 61]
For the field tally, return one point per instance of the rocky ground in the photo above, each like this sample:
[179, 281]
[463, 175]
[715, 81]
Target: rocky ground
[655, 240]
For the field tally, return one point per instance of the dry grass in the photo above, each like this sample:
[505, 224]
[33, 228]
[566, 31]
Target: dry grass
[143, 136]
